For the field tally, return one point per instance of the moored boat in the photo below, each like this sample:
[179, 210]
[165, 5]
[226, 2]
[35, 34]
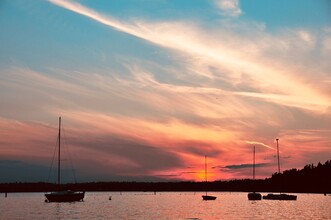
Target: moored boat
[62, 196]
[254, 195]
[207, 197]
[280, 196]
[65, 196]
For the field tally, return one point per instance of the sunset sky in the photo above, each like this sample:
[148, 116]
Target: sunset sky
[147, 88]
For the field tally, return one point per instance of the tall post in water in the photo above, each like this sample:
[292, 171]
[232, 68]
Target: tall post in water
[254, 169]
[280, 182]
[59, 157]
[278, 156]
[254, 163]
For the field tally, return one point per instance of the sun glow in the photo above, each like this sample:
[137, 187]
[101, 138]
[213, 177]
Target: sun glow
[200, 175]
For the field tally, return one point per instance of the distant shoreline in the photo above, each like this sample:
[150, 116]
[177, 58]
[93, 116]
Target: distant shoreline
[216, 186]
[310, 179]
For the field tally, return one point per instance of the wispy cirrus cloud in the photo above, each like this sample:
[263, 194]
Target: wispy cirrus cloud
[259, 143]
[276, 82]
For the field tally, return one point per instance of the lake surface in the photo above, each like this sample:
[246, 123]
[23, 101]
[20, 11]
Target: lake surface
[164, 205]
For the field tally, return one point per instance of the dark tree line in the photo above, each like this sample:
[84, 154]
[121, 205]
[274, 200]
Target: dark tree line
[310, 179]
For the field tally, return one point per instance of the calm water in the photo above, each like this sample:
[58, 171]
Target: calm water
[173, 205]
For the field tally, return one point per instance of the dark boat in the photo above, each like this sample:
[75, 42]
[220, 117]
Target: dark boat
[280, 196]
[65, 196]
[207, 197]
[62, 196]
[254, 195]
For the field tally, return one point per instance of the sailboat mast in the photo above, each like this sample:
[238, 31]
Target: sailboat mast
[59, 156]
[254, 163]
[206, 170]
[278, 156]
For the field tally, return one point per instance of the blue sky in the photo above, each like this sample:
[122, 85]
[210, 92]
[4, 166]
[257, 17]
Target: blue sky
[279, 14]
[172, 80]
[50, 31]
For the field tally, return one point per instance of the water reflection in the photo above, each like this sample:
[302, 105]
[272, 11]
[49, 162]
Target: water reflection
[171, 205]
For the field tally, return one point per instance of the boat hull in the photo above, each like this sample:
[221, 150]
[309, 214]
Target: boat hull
[205, 197]
[280, 197]
[65, 196]
[254, 196]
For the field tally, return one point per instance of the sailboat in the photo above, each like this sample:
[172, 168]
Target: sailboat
[207, 197]
[280, 196]
[254, 195]
[62, 196]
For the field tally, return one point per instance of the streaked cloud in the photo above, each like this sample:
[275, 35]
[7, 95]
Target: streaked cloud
[268, 79]
[259, 143]
[243, 166]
